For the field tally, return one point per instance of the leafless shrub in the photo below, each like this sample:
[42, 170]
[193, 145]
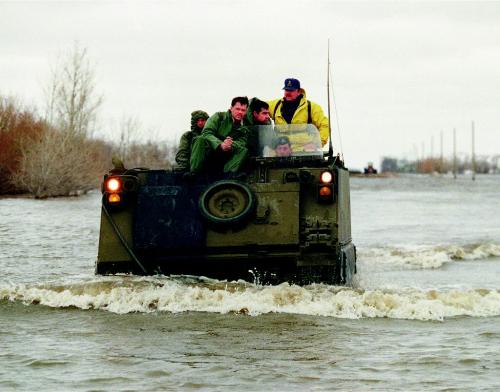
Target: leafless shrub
[17, 124]
[152, 155]
[61, 165]
[136, 153]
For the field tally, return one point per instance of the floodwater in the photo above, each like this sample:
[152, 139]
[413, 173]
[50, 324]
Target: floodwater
[424, 313]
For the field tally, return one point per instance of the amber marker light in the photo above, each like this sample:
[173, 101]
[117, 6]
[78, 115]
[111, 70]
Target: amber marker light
[326, 177]
[114, 198]
[113, 185]
[325, 191]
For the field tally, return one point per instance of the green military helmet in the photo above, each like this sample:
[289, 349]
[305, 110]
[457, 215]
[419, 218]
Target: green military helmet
[118, 166]
[198, 114]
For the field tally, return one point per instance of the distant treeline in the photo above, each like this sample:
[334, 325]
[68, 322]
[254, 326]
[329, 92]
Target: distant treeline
[56, 154]
[482, 165]
[44, 160]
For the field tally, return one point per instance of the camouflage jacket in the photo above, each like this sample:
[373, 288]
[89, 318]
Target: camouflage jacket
[184, 153]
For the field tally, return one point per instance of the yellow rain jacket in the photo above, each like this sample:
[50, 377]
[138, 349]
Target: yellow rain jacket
[301, 115]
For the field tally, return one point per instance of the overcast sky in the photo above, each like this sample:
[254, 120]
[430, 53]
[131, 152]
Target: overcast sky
[402, 71]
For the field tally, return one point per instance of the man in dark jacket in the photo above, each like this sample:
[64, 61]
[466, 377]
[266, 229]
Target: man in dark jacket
[223, 138]
[258, 114]
[198, 120]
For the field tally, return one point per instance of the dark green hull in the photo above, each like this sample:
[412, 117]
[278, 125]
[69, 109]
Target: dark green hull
[269, 226]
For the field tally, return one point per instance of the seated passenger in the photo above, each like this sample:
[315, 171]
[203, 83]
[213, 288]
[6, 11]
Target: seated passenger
[304, 138]
[283, 147]
[224, 138]
[198, 120]
[257, 115]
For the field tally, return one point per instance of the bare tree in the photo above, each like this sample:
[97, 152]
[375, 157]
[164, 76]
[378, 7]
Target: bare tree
[130, 132]
[152, 153]
[65, 160]
[71, 100]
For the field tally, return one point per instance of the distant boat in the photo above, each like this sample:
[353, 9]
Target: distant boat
[370, 169]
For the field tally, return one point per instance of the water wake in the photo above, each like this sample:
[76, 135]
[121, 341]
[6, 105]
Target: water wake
[426, 257]
[126, 295]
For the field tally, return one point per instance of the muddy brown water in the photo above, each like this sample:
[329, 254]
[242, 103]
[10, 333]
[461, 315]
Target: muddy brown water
[424, 313]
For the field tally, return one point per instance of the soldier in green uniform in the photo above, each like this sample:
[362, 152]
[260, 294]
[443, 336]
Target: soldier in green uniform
[224, 138]
[198, 120]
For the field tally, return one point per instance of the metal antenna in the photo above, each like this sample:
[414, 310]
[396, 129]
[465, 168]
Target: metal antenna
[330, 145]
[454, 153]
[473, 159]
[341, 150]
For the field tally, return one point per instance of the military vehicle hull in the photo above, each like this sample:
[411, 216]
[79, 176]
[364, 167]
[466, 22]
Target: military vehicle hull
[280, 222]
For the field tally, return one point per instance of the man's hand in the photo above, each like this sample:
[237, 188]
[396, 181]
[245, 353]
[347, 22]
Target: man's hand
[227, 144]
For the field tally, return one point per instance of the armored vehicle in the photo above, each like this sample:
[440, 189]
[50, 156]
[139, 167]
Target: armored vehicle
[286, 218]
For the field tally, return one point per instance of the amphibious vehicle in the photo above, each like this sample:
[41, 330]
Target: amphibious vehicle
[286, 218]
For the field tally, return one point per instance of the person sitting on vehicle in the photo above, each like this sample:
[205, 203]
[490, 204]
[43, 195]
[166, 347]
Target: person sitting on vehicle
[295, 108]
[258, 114]
[198, 120]
[223, 138]
[283, 147]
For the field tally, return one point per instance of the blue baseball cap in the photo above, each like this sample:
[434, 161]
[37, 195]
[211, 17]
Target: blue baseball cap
[291, 84]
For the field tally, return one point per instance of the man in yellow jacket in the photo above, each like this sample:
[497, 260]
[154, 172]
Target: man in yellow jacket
[295, 108]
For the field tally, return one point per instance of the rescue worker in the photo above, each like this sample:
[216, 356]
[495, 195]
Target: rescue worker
[198, 120]
[295, 108]
[258, 114]
[224, 138]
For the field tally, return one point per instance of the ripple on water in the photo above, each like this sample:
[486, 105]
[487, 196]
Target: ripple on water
[147, 295]
[43, 363]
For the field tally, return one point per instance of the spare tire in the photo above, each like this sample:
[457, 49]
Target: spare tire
[227, 202]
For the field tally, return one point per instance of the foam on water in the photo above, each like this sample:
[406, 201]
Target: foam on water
[126, 295]
[427, 256]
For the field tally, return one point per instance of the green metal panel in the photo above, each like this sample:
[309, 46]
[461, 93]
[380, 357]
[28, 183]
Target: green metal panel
[110, 246]
[276, 221]
[344, 210]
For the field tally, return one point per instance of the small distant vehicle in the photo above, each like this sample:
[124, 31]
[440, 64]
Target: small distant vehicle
[287, 218]
[370, 169]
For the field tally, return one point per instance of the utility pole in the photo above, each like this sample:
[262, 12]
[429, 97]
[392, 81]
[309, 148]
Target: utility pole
[454, 153]
[441, 165]
[417, 162]
[422, 165]
[431, 158]
[473, 154]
